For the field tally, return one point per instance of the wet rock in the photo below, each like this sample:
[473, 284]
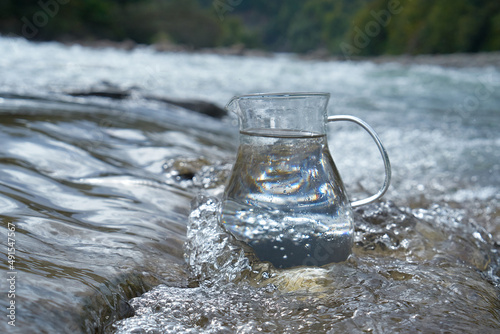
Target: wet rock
[197, 173]
[111, 93]
[104, 89]
[127, 44]
[233, 50]
[114, 92]
[125, 310]
[202, 107]
[183, 169]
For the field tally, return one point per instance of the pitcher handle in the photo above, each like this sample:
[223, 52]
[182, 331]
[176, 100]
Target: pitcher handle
[383, 152]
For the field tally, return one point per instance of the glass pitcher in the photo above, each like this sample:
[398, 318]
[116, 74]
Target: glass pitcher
[285, 197]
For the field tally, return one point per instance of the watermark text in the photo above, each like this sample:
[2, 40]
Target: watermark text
[11, 274]
[223, 6]
[48, 9]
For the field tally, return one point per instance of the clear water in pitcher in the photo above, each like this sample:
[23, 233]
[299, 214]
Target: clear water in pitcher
[286, 200]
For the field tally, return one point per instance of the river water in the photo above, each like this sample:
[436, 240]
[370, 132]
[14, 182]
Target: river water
[113, 201]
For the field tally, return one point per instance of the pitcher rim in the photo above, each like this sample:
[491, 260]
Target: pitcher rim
[278, 95]
[282, 95]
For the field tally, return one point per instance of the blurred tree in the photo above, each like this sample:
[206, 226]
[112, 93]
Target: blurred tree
[359, 26]
[406, 31]
[492, 41]
[427, 26]
[180, 21]
[305, 30]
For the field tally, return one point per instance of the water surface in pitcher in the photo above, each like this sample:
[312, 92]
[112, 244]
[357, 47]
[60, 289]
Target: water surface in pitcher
[286, 200]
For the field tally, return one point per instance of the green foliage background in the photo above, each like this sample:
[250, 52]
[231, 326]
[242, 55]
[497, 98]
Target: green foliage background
[348, 27]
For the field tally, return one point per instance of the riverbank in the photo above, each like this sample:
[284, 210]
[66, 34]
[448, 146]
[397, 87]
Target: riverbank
[456, 60]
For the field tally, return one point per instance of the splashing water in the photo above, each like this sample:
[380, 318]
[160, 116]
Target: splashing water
[210, 252]
[411, 269]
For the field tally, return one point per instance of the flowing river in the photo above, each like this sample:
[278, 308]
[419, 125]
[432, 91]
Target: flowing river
[109, 196]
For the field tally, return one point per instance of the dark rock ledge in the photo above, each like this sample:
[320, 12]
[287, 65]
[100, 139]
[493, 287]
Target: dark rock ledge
[116, 93]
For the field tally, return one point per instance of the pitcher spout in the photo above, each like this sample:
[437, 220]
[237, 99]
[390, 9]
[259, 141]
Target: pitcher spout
[233, 106]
